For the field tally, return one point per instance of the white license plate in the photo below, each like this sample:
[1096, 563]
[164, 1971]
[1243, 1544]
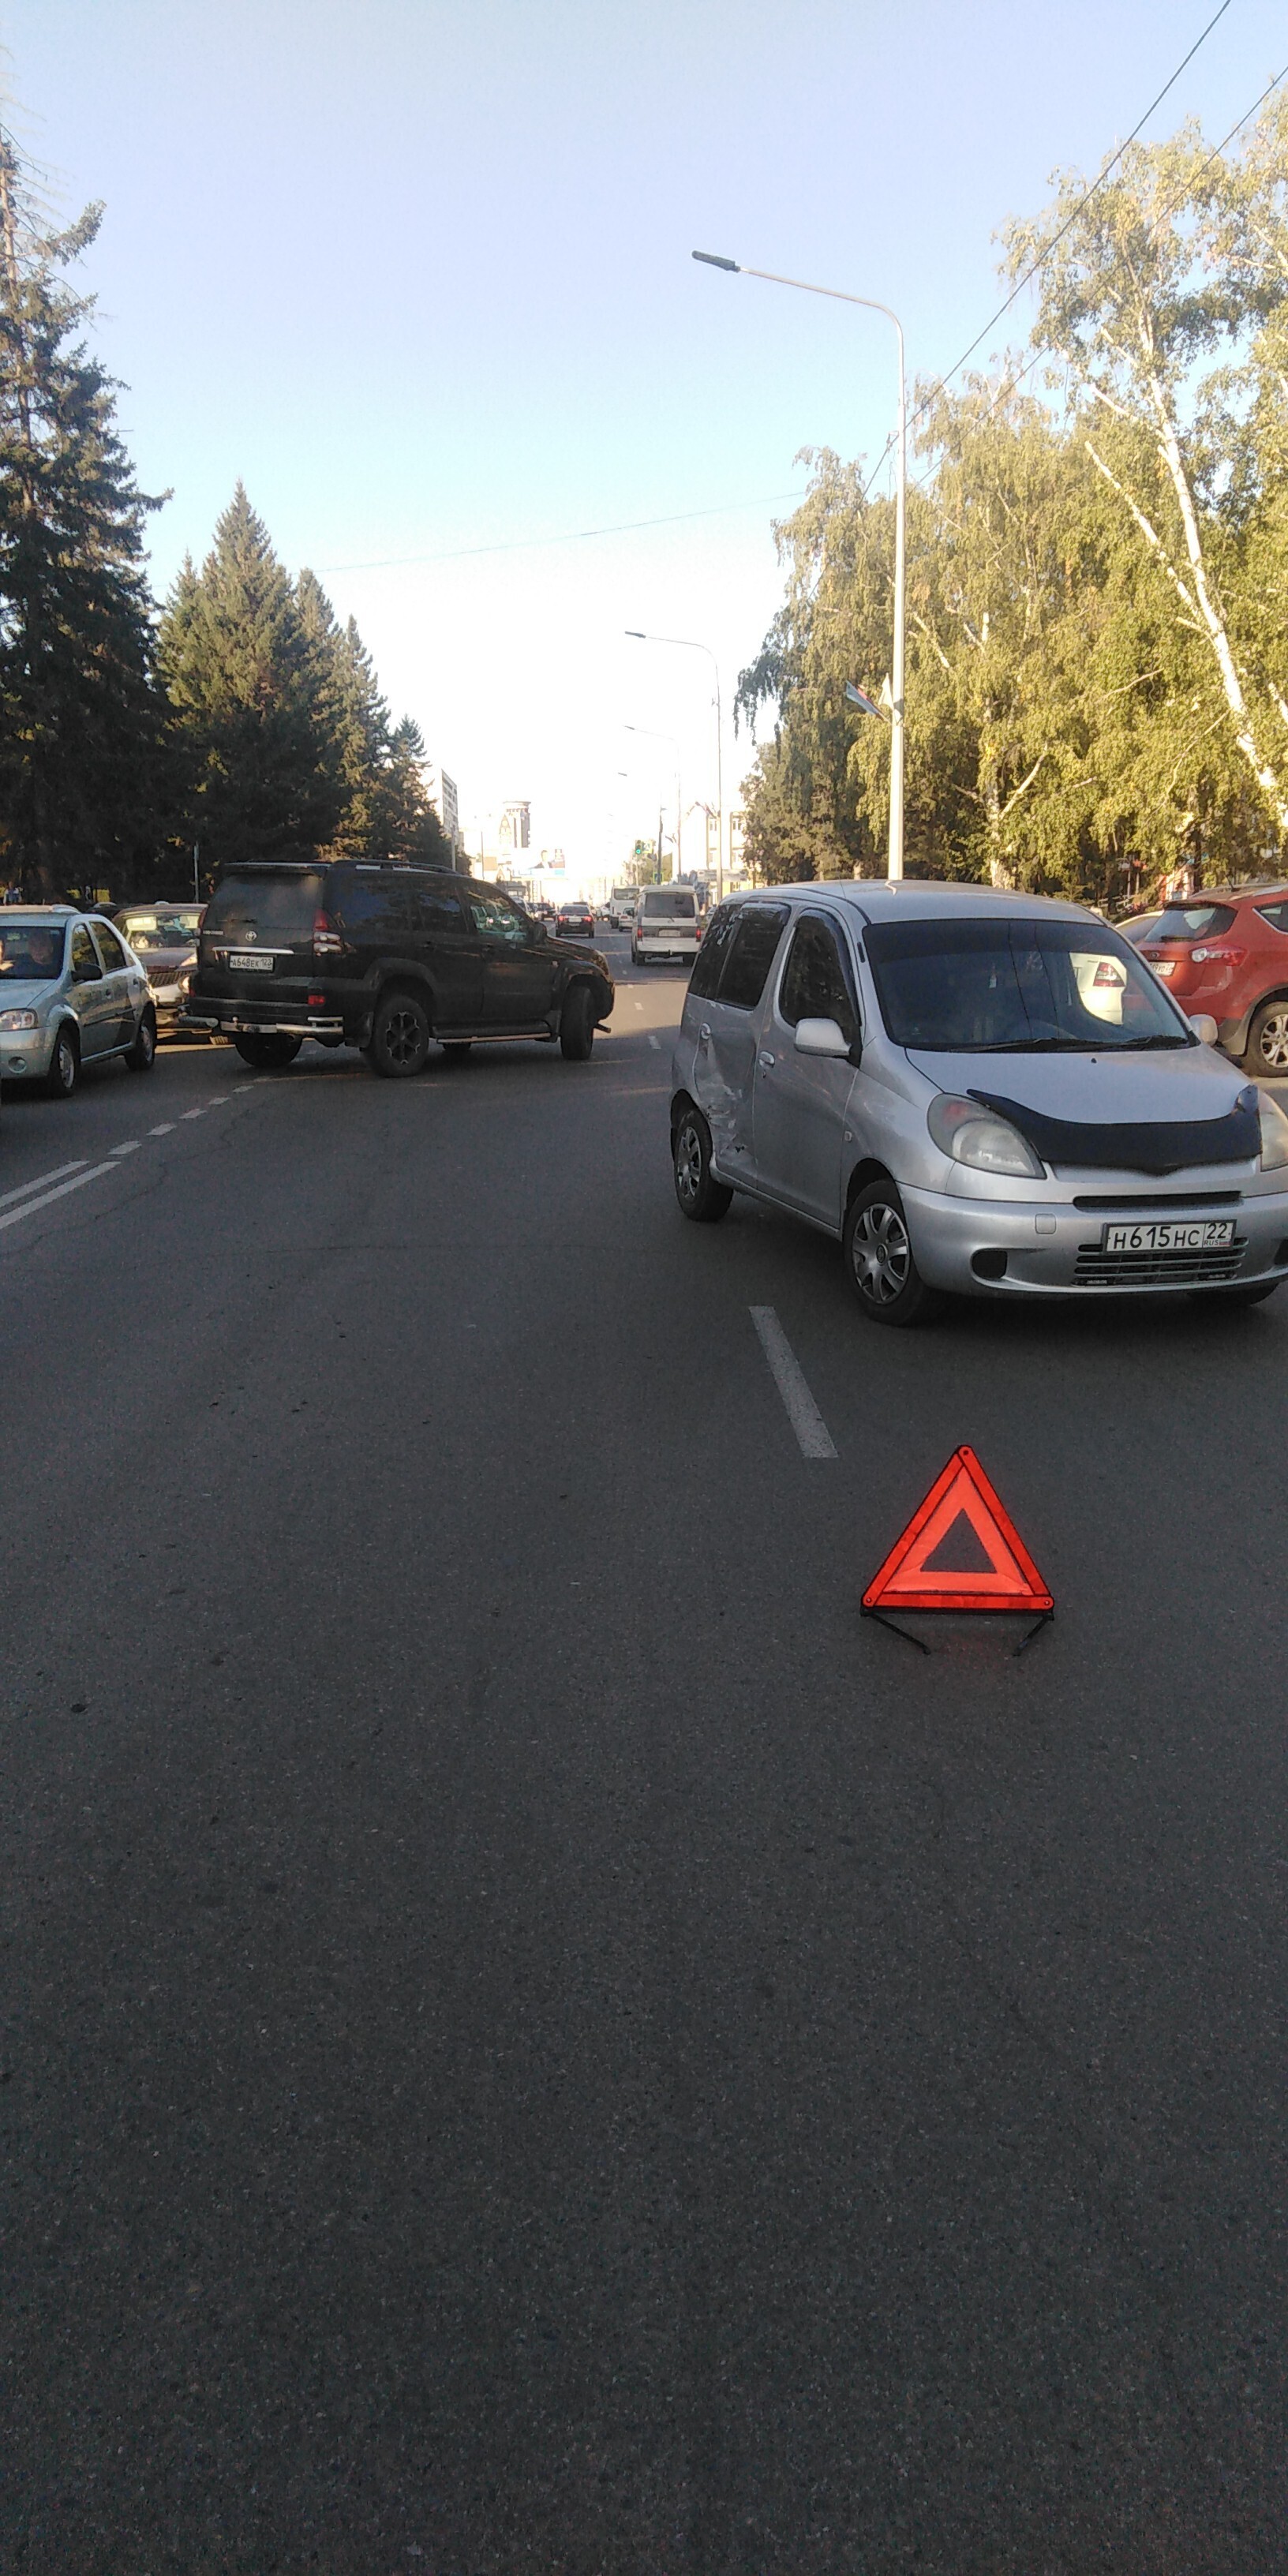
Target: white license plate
[1176, 1234]
[249, 965]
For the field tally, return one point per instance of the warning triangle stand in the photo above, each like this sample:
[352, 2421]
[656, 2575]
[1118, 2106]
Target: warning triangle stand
[960, 1551]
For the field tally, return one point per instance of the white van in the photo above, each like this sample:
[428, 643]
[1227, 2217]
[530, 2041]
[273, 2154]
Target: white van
[621, 907]
[666, 924]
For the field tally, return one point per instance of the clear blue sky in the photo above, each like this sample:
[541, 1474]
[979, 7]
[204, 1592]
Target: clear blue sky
[420, 275]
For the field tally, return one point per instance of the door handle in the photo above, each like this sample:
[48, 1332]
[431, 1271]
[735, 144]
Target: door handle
[768, 1060]
[704, 1034]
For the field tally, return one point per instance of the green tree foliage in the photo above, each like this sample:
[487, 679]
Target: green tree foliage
[285, 738]
[80, 715]
[1097, 680]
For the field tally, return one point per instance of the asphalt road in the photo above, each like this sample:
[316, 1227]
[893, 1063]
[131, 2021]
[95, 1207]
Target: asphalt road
[537, 2040]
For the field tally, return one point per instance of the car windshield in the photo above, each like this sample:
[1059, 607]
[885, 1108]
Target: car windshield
[152, 930]
[31, 952]
[670, 906]
[977, 986]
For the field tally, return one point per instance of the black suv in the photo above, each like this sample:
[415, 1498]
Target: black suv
[386, 959]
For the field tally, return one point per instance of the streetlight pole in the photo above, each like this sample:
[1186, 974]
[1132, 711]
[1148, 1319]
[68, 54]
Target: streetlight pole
[686, 644]
[710, 259]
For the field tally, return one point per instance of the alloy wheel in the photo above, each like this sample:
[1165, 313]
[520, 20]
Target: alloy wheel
[688, 1163]
[882, 1253]
[402, 1037]
[1272, 1044]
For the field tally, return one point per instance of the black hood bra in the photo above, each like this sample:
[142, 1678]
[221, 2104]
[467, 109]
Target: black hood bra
[1153, 1145]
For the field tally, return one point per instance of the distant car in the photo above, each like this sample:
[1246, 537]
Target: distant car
[574, 920]
[164, 938]
[70, 994]
[1225, 953]
[1138, 926]
[666, 925]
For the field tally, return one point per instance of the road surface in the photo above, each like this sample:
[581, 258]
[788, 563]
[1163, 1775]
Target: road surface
[537, 2039]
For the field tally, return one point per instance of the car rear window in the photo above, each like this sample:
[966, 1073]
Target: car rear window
[1192, 921]
[759, 929]
[669, 903]
[272, 904]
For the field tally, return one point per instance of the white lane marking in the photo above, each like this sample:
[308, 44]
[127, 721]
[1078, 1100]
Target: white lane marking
[217, 1100]
[789, 1378]
[639, 1006]
[131, 1145]
[194, 1113]
[655, 1043]
[42, 1181]
[166, 1128]
[16, 1215]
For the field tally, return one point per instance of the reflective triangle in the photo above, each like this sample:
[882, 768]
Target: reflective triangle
[1009, 1579]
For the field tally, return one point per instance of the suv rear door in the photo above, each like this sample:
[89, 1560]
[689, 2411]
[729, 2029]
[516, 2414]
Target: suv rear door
[257, 935]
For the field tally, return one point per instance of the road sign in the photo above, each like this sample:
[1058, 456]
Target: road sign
[960, 1551]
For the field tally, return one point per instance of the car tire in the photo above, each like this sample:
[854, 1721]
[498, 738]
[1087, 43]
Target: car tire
[698, 1194]
[270, 1053]
[400, 1037]
[143, 1054]
[64, 1066]
[1267, 1048]
[577, 1024]
[879, 1261]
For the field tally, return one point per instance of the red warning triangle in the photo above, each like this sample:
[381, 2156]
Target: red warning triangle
[911, 1579]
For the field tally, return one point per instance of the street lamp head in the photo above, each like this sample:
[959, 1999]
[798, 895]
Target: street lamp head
[712, 259]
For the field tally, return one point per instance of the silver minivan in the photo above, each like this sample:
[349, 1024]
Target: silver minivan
[974, 1091]
[666, 924]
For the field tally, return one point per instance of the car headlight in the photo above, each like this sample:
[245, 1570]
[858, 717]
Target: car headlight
[979, 1138]
[27, 1020]
[1274, 1132]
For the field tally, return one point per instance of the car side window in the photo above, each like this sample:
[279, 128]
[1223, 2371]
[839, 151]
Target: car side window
[1276, 914]
[109, 948]
[755, 943]
[713, 952]
[438, 911]
[85, 965]
[495, 920]
[815, 985]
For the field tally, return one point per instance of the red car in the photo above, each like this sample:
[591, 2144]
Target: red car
[1226, 952]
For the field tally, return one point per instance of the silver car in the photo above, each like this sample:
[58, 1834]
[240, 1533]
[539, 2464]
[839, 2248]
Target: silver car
[975, 1091]
[71, 994]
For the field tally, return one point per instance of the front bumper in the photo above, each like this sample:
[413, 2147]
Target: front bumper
[1054, 1249]
[25, 1054]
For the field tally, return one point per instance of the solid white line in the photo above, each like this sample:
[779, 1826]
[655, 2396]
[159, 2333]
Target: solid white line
[41, 1181]
[655, 1043]
[16, 1215]
[166, 1129]
[802, 1412]
[131, 1146]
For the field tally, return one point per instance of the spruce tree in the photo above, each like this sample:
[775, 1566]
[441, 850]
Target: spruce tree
[254, 710]
[80, 716]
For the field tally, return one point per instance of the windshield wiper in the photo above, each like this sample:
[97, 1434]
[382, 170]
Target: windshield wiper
[1040, 1046]
[1161, 1038]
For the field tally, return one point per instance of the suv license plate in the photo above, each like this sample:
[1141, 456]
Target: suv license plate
[1202, 1234]
[250, 965]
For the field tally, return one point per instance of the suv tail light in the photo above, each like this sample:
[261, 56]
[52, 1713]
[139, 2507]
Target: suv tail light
[326, 938]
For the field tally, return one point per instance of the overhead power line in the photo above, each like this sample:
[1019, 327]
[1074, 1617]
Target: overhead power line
[1043, 256]
[568, 537]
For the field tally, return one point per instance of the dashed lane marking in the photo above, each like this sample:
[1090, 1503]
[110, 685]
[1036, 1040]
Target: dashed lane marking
[131, 1145]
[194, 1113]
[655, 1043]
[42, 1181]
[166, 1129]
[217, 1100]
[789, 1378]
[15, 1215]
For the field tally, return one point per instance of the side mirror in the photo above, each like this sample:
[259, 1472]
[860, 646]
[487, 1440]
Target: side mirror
[1205, 1028]
[821, 1037]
